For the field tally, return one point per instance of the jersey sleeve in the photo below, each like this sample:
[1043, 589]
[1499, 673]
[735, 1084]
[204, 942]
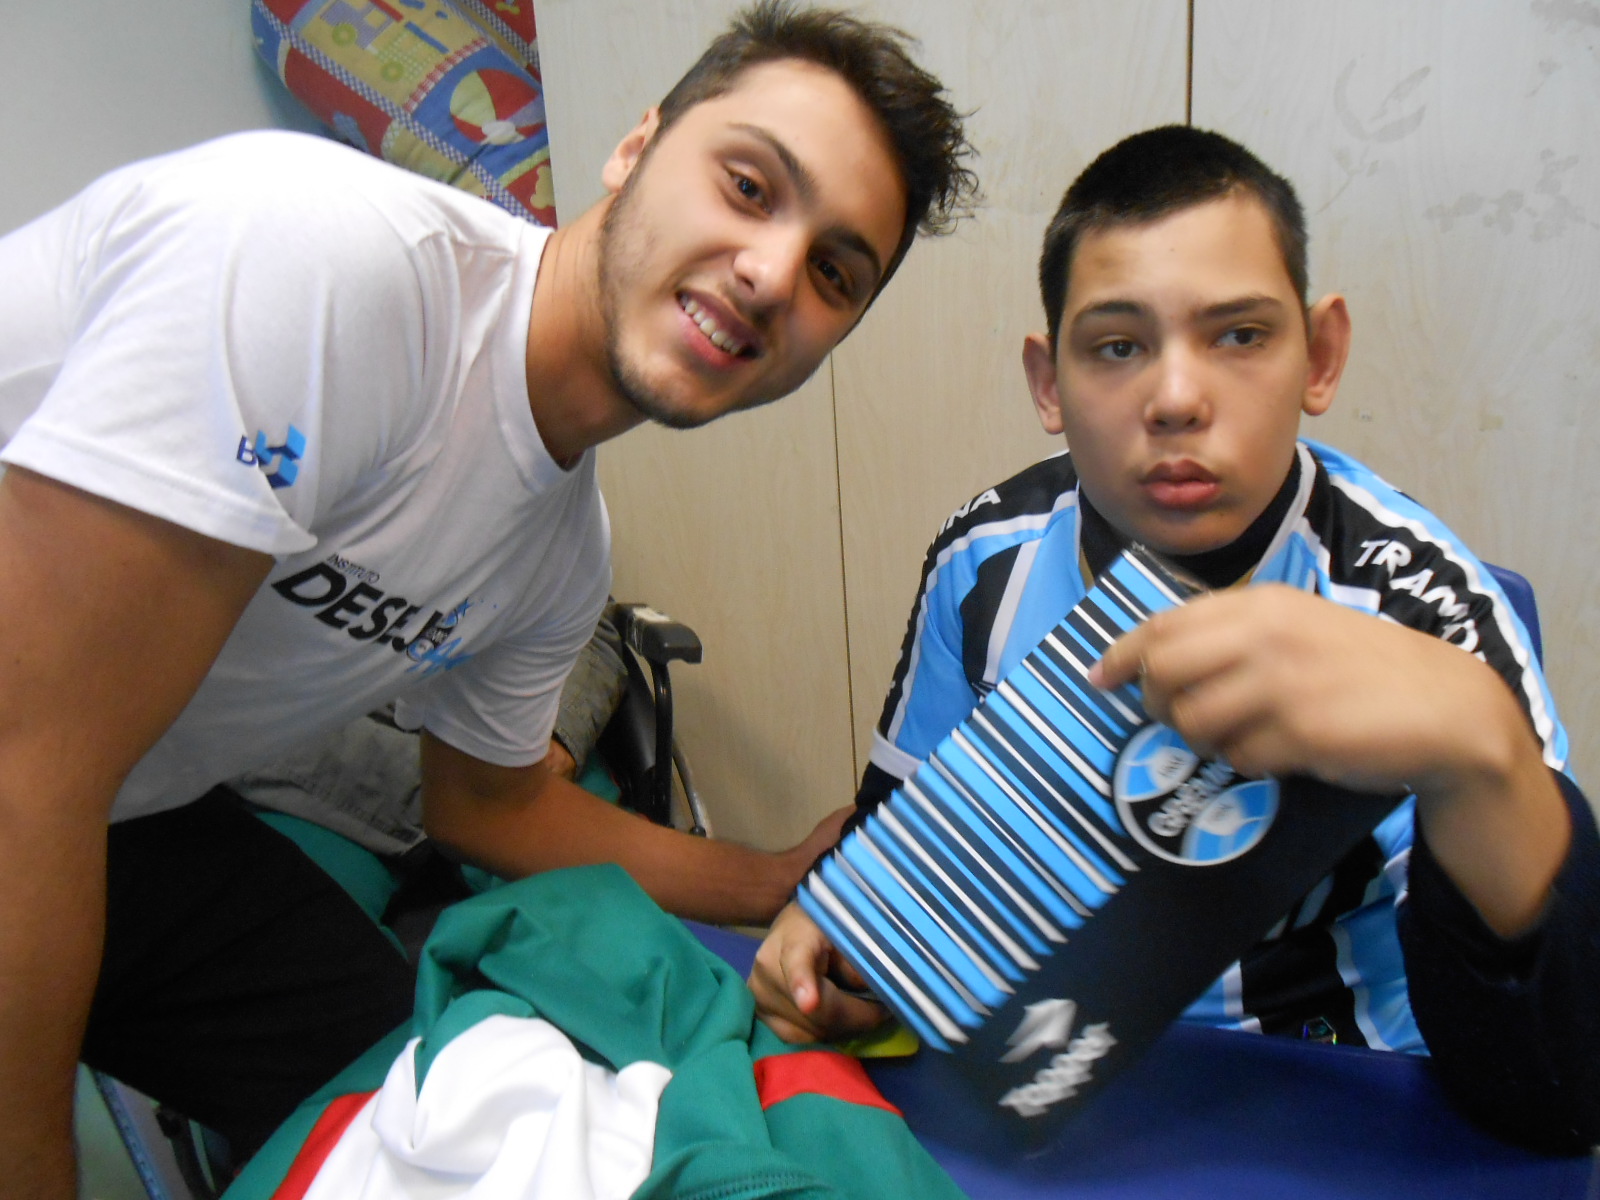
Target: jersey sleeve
[929, 694]
[211, 310]
[963, 611]
[1512, 1025]
[1388, 555]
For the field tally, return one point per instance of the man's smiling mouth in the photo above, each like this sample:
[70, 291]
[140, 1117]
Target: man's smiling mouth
[719, 337]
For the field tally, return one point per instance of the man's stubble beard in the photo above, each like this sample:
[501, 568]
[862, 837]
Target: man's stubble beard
[620, 242]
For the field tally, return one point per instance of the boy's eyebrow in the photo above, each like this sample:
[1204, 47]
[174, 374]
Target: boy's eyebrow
[1221, 310]
[1240, 306]
[805, 186]
[1111, 308]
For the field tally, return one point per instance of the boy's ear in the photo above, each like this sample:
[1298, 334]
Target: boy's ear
[629, 150]
[1327, 349]
[1039, 365]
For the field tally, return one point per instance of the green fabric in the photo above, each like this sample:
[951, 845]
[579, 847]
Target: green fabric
[588, 951]
[594, 778]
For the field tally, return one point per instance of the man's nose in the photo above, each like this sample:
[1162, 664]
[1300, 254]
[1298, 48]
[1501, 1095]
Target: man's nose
[769, 268]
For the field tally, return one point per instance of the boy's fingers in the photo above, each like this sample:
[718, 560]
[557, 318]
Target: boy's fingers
[1123, 660]
[847, 1015]
[787, 1030]
[801, 952]
[847, 975]
[800, 973]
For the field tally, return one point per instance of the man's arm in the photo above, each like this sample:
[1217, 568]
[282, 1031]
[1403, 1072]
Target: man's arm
[516, 821]
[1282, 682]
[109, 620]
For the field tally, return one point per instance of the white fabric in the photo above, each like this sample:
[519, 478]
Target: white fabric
[509, 1110]
[151, 328]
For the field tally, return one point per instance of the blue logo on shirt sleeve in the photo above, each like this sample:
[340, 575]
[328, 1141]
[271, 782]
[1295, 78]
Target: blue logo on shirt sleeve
[281, 463]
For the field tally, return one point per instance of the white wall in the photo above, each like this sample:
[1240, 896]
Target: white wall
[92, 84]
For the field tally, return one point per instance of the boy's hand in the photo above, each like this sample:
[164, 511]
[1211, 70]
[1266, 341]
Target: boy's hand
[799, 983]
[1281, 682]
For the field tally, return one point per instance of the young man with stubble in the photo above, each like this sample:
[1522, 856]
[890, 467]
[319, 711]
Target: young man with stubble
[290, 433]
[1347, 635]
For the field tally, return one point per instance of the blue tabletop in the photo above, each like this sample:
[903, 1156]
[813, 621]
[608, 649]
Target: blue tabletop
[1211, 1113]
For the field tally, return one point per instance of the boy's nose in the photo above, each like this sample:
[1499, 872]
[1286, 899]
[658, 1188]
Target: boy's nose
[1179, 400]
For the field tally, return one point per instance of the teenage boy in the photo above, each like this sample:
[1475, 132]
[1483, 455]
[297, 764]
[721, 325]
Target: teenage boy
[291, 432]
[1376, 651]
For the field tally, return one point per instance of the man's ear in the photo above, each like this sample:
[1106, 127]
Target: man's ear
[1039, 365]
[1327, 349]
[629, 150]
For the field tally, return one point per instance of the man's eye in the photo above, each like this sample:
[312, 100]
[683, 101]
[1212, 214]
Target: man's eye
[836, 278]
[749, 189]
[1246, 336]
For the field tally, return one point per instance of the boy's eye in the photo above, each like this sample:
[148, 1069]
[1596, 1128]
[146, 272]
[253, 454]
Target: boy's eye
[1245, 336]
[1119, 349]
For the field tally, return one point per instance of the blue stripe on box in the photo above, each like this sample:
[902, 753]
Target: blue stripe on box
[951, 840]
[972, 894]
[941, 893]
[926, 925]
[1069, 864]
[1006, 853]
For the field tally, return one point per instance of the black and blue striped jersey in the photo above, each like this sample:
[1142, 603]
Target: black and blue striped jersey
[1011, 562]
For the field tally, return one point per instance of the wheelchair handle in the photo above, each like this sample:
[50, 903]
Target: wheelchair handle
[656, 637]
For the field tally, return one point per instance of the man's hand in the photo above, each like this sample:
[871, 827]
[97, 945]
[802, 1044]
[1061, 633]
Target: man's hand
[799, 860]
[1281, 682]
[517, 821]
[799, 983]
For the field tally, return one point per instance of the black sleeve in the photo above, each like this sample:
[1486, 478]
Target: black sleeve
[1513, 1026]
[877, 785]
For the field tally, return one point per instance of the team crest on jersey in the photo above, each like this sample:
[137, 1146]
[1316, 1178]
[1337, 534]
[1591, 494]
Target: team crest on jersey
[1187, 809]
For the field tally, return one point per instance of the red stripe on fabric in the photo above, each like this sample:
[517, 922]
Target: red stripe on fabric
[319, 1143]
[818, 1073]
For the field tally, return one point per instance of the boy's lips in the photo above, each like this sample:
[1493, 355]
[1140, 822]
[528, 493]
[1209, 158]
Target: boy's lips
[1183, 485]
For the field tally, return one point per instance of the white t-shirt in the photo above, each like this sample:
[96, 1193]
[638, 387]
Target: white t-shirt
[284, 344]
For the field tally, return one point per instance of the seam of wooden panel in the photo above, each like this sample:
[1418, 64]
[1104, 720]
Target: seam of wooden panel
[1188, 72]
[844, 574]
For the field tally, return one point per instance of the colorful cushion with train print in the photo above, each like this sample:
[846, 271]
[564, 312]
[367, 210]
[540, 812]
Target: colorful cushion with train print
[424, 86]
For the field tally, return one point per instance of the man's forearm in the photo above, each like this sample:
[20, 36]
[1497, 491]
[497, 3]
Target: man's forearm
[517, 832]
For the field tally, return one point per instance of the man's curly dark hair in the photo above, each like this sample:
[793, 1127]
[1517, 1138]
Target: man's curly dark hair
[926, 131]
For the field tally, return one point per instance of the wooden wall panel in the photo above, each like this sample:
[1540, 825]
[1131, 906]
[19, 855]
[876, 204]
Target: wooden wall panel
[735, 528]
[932, 405]
[1447, 166]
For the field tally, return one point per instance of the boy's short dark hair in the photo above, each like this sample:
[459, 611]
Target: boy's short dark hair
[1154, 174]
[924, 129]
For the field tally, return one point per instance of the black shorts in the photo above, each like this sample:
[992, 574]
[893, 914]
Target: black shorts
[237, 976]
